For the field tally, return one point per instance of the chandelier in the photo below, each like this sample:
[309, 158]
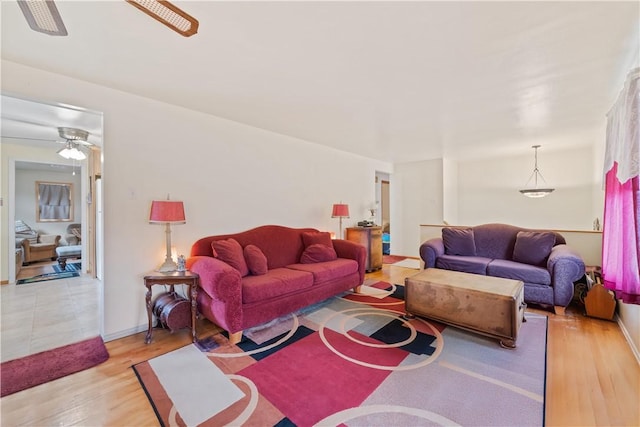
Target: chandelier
[535, 192]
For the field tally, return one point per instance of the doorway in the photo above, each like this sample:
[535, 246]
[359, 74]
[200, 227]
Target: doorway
[61, 311]
[383, 189]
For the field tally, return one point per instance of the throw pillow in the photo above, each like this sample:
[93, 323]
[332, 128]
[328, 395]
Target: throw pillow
[459, 241]
[533, 247]
[317, 237]
[318, 253]
[256, 261]
[230, 252]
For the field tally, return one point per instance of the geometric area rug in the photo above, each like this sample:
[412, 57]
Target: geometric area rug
[76, 266]
[352, 360]
[47, 277]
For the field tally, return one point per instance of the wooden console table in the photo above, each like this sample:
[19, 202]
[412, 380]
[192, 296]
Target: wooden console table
[173, 278]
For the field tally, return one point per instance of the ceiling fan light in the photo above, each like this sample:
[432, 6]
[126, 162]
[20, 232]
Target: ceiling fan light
[168, 14]
[43, 16]
[70, 152]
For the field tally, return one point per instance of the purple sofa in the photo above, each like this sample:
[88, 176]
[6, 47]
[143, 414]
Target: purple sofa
[541, 259]
[283, 269]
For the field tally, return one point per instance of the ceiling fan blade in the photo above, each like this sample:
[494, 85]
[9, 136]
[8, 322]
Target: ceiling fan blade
[43, 17]
[168, 14]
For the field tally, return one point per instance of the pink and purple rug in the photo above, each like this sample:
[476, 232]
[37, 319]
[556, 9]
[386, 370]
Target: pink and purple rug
[352, 360]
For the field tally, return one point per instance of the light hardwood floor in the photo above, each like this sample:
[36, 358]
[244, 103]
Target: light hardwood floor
[592, 378]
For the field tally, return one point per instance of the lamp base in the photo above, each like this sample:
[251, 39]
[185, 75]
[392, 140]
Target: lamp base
[167, 266]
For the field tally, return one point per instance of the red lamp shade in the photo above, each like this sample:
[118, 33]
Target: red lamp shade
[167, 211]
[340, 211]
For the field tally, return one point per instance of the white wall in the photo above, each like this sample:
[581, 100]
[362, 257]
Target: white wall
[450, 197]
[416, 198]
[485, 190]
[230, 177]
[629, 319]
[488, 190]
[25, 199]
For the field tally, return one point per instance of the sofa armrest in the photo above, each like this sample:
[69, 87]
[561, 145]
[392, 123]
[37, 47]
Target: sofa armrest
[49, 239]
[431, 250]
[566, 267]
[351, 250]
[71, 239]
[218, 279]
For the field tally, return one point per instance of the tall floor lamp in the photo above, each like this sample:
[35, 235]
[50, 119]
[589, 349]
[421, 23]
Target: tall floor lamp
[167, 212]
[340, 210]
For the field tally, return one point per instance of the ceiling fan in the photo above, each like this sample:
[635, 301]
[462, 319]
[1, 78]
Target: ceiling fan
[43, 16]
[73, 139]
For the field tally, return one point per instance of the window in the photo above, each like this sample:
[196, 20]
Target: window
[54, 201]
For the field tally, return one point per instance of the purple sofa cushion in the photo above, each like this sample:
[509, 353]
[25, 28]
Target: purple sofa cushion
[318, 253]
[277, 282]
[533, 247]
[256, 261]
[519, 271]
[230, 251]
[325, 271]
[458, 241]
[317, 238]
[466, 264]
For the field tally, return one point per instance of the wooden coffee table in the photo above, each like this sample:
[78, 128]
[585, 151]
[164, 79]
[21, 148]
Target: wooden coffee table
[488, 305]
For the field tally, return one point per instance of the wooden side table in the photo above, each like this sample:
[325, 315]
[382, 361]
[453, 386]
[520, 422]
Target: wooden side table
[173, 278]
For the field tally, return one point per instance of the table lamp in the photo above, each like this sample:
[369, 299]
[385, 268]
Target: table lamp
[167, 212]
[340, 210]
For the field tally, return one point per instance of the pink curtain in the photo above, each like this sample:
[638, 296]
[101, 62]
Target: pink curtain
[621, 225]
[621, 238]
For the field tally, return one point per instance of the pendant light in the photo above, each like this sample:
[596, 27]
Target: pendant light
[536, 192]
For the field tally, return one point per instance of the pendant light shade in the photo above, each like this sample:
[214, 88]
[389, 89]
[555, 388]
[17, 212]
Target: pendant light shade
[535, 192]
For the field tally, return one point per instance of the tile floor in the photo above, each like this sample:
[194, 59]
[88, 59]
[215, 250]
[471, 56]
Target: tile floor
[45, 315]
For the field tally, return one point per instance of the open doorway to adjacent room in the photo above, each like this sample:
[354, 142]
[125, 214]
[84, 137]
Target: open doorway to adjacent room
[46, 312]
[383, 216]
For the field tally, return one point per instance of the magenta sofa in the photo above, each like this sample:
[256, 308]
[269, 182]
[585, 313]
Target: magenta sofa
[236, 300]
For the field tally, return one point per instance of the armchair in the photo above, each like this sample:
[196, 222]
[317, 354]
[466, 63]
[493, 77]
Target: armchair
[44, 248]
[74, 234]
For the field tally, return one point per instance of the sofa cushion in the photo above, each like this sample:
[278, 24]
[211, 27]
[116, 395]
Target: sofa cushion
[458, 241]
[230, 251]
[255, 259]
[533, 247]
[519, 271]
[466, 264]
[325, 271]
[317, 238]
[318, 253]
[277, 282]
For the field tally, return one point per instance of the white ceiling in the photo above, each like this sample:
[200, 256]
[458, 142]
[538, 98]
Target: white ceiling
[397, 81]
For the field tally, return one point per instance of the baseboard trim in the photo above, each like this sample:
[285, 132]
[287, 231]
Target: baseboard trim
[627, 336]
[4, 282]
[126, 333]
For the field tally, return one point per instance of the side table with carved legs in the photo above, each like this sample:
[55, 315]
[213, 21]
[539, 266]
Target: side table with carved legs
[173, 278]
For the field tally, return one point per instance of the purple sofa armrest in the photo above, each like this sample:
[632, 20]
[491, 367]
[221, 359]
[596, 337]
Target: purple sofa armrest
[566, 267]
[350, 250]
[431, 250]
